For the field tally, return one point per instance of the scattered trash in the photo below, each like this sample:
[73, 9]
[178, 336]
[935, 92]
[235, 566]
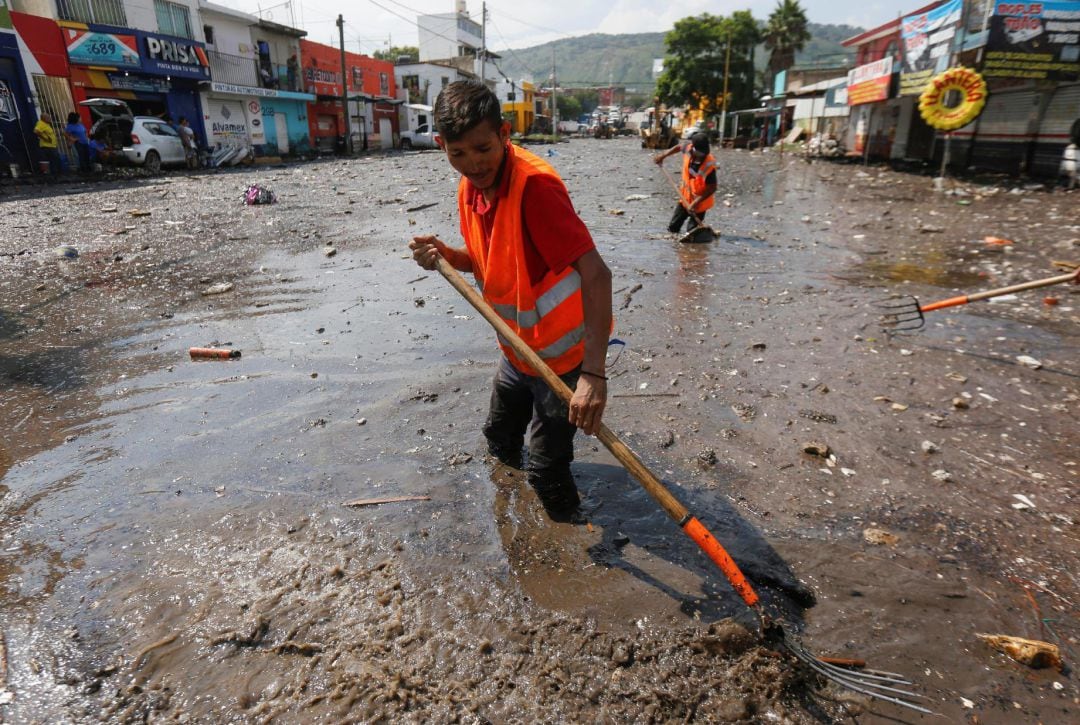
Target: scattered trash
[1031, 652]
[997, 241]
[960, 403]
[900, 407]
[390, 499]
[847, 471]
[1023, 502]
[139, 212]
[818, 416]
[218, 289]
[361, 421]
[551, 152]
[1050, 301]
[66, 251]
[880, 537]
[956, 376]
[930, 447]
[616, 212]
[421, 207]
[1028, 361]
[213, 353]
[967, 703]
[329, 251]
[942, 475]
[816, 449]
[259, 194]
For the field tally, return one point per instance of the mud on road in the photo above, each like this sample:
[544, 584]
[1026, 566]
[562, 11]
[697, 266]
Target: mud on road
[174, 544]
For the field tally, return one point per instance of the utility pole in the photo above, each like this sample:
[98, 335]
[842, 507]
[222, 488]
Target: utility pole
[344, 85]
[723, 112]
[483, 44]
[554, 96]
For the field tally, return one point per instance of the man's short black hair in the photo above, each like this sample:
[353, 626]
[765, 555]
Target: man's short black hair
[464, 105]
[700, 142]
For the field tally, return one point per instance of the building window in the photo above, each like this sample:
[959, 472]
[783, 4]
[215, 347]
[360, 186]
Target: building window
[173, 18]
[105, 12]
[208, 33]
[445, 81]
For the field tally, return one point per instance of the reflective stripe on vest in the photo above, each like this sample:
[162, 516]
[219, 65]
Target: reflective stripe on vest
[545, 303]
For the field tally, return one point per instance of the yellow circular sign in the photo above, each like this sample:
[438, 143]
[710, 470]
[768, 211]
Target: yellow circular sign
[972, 89]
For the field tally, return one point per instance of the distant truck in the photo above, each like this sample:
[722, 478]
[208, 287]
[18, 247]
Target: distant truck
[420, 135]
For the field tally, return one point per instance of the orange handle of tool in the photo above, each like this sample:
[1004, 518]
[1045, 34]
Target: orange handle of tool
[713, 548]
[212, 353]
[1073, 276]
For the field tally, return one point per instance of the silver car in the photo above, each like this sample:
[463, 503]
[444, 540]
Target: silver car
[141, 140]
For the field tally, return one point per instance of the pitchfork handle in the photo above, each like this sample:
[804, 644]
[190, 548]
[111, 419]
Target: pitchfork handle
[1035, 284]
[679, 513]
[671, 180]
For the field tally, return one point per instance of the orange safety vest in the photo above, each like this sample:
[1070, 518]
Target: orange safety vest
[694, 181]
[548, 316]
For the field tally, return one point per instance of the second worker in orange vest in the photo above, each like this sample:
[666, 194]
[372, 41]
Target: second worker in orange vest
[538, 268]
[698, 181]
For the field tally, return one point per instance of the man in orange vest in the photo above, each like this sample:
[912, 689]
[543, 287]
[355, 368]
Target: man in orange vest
[698, 181]
[537, 266]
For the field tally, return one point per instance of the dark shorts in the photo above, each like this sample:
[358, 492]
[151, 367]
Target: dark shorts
[681, 215]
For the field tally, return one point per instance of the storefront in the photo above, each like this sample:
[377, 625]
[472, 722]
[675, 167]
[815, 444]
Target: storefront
[274, 122]
[320, 67]
[373, 105]
[44, 57]
[154, 74]
[17, 143]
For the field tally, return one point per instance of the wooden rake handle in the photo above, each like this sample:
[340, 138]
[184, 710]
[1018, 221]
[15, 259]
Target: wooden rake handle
[1073, 276]
[679, 513]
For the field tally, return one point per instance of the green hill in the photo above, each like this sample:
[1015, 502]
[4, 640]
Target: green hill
[626, 60]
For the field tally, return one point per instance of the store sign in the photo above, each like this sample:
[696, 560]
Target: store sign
[869, 83]
[87, 47]
[174, 56]
[5, 15]
[236, 90]
[322, 82]
[227, 122]
[149, 84]
[1034, 40]
[927, 42]
[253, 111]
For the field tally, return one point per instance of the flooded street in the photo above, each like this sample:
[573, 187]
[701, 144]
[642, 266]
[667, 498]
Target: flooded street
[175, 544]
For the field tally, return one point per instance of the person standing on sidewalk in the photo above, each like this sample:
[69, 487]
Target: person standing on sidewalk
[76, 135]
[47, 142]
[538, 268]
[698, 181]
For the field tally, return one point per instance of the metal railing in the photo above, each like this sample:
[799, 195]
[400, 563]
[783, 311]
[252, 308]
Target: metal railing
[234, 69]
[104, 12]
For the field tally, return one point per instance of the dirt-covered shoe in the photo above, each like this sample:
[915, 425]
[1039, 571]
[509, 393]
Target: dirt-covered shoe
[557, 493]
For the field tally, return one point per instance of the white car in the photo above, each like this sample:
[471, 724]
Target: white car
[422, 138]
[141, 140]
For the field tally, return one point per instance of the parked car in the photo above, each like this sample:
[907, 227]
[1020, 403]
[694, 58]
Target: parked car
[421, 138]
[140, 140]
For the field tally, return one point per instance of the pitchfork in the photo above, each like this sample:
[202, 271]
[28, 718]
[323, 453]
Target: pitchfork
[881, 685]
[904, 313]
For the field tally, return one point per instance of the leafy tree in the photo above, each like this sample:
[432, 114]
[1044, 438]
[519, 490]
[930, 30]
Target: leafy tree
[569, 107]
[786, 34]
[394, 52]
[696, 56]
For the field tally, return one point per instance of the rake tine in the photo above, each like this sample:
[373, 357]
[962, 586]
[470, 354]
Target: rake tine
[901, 314]
[866, 675]
[868, 689]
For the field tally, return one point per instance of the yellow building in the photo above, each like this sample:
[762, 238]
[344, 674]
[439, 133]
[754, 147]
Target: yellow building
[519, 106]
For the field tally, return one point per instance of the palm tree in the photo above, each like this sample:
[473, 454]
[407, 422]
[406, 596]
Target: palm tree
[785, 34]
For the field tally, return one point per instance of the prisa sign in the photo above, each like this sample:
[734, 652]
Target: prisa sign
[168, 51]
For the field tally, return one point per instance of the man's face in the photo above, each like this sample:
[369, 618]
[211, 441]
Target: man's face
[478, 154]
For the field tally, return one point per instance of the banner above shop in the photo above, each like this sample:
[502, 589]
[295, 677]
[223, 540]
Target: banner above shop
[88, 47]
[175, 57]
[1034, 40]
[869, 83]
[927, 40]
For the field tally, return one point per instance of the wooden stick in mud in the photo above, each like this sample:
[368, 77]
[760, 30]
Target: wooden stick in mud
[390, 499]
[3, 661]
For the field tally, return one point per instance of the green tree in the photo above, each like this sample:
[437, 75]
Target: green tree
[396, 51]
[569, 107]
[696, 57]
[785, 34]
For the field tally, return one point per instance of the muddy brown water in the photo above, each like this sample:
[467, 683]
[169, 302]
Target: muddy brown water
[174, 544]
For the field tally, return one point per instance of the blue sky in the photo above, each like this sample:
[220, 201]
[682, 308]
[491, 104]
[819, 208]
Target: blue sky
[512, 23]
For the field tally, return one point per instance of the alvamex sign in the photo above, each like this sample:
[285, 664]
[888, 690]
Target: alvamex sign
[168, 51]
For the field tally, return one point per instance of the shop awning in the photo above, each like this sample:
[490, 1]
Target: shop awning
[368, 98]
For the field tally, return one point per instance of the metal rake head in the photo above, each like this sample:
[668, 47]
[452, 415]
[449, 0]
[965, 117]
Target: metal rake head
[900, 314]
[886, 686]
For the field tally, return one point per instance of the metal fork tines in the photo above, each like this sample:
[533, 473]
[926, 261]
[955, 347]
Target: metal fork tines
[901, 314]
[873, 683]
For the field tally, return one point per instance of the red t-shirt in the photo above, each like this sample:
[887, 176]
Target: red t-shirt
[555, 237]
